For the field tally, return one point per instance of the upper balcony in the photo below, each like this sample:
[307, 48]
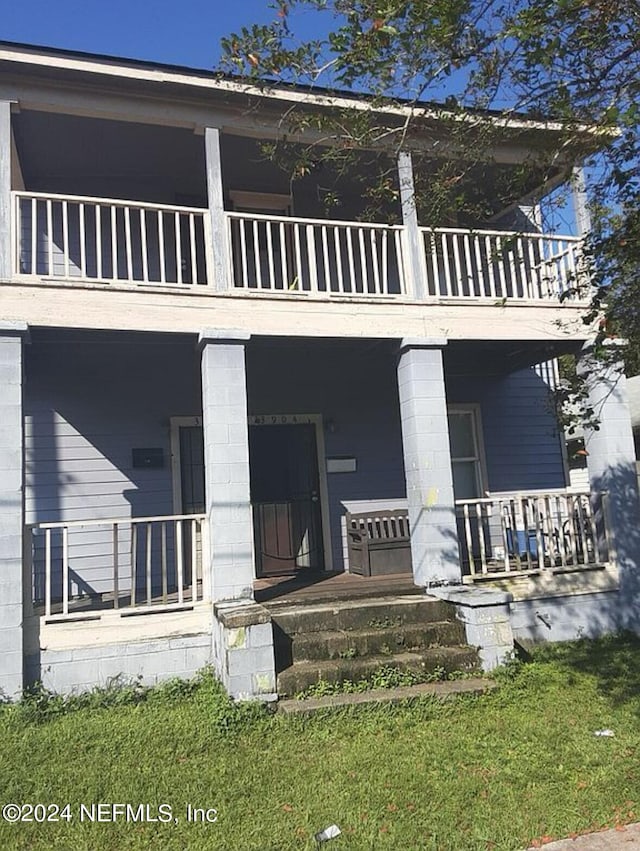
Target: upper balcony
[161, 213]
[88, 240]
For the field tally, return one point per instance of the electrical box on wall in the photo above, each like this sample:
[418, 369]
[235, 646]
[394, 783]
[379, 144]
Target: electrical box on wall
[150, 459]
[341, 464]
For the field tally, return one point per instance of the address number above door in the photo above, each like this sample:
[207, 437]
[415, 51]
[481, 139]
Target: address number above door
[283, 419]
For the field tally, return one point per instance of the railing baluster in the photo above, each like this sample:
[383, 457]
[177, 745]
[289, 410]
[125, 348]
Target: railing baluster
[50, 270]
[116, 575]
[178, 239]
[34, 235]
[295, 284]
[47, 572]
[192, 247]
[144, 249]
[163, 560]
[161, 249]
[179, 561]
[270, 258]
[65, 237]
[148, 542]
[134, 559]
[469, 539]
[83, 247]
[483, 550]
[65, 571]
[338, 250]
[375, 267]
[127, 243]
[99, 269]
[284, 255]
[363, 261]
[194, 561]
[257, 265]
[114, 243]
[244, 260]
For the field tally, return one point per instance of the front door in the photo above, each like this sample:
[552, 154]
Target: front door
[285, 496]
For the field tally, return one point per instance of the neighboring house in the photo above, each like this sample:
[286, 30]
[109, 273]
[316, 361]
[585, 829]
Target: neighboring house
[208, 385]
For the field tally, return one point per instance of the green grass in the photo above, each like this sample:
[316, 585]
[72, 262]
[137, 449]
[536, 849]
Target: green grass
[492, 772]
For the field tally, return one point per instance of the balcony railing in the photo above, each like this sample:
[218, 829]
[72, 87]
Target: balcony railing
[501, 265]
[84, 239]
[101, 239]
[510, 534]
[312, 256]
[82, 568]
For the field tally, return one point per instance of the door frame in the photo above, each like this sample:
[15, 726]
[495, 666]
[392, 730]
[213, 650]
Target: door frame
[265, 420]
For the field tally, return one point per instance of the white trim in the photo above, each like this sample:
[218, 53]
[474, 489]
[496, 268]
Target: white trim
[315, 420]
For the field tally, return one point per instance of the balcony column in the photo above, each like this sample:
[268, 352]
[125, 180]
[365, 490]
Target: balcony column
[414, 243]
[611, 464]
[226, 464]
[5, 191]
[427, 462]
[12, 590]
[219, 264]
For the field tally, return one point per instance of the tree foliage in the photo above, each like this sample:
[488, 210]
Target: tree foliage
[573, 61]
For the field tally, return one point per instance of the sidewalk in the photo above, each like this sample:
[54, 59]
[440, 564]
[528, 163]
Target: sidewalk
[608, 840]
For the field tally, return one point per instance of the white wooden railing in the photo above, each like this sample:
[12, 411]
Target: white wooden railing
[89, 239]
[508, 534]
[315, 256]
[502, 265]
[137, 563]
[81, 238]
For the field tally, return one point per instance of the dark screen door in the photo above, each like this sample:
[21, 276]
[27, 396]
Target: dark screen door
[285, 497]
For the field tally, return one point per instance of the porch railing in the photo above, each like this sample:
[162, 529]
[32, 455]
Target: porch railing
[282, 254]
[509, 534]
[89, 239]
[82, 238]
[502, 265]
[83, 567]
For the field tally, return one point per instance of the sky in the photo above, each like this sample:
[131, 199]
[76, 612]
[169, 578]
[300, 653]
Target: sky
[179, 32]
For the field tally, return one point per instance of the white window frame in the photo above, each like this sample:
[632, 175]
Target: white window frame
[479, 458]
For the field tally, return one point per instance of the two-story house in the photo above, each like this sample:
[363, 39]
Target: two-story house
[214, 398]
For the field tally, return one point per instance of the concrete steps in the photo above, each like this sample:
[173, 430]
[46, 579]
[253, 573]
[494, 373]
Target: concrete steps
[342, 640]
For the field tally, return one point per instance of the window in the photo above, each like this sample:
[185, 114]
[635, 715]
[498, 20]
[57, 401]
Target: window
[467, 461]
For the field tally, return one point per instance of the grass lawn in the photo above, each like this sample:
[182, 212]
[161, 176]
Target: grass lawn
[494, 772]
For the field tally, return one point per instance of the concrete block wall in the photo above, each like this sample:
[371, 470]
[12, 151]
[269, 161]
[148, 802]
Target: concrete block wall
[427, 462]
[566, 618]
[226, 451]
[83, 668]
[11, 509]
[243, 651]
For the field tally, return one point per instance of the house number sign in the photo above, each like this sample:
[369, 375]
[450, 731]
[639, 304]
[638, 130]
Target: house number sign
[280, 419]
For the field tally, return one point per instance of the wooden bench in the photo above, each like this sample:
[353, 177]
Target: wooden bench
[379, 542]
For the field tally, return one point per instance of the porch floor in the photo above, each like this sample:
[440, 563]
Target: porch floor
[316, 587]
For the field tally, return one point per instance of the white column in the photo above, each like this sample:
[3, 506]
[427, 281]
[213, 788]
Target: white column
[611, 464]
[226, 458]
[415, 246]
[220, 262]
[427, 462]
[580, 201]
[11, 508]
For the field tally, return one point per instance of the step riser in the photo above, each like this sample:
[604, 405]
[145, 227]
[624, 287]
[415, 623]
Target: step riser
[355, 644]
[381, 615]
[300, 677]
